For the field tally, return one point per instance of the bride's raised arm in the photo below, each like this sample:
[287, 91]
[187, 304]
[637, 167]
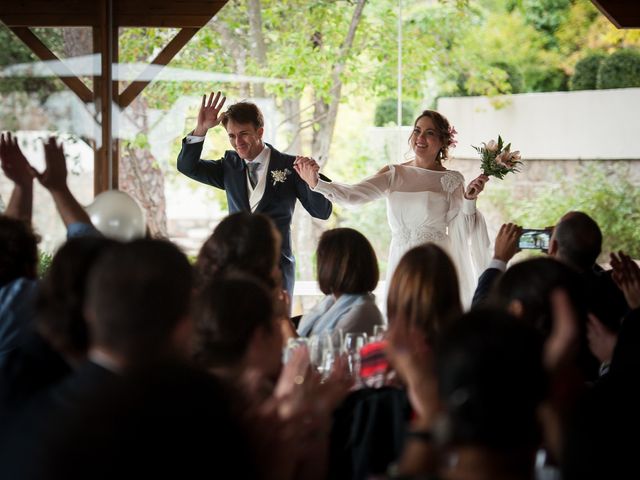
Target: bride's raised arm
[371, 188]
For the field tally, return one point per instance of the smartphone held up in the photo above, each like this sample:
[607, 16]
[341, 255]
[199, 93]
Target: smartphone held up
[535, 239]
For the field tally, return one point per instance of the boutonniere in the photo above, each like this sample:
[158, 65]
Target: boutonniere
[279, 176]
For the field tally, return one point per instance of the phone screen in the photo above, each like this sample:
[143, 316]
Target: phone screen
[534, 239]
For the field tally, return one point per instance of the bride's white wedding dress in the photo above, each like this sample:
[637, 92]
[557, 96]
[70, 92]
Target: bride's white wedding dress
[424, 206]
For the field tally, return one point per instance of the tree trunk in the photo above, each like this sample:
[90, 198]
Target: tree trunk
[257, 39]
[141, 177]
[236, 50]
[291, 125]
[326, 114]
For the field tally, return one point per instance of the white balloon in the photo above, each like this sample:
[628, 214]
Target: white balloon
[117, 215]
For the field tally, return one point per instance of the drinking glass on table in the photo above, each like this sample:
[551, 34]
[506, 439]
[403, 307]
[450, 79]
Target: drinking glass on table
[292, 344]
[321, 351]
[379, 332]
[353, 342]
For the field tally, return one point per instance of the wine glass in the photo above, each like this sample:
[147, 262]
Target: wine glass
[292, 344]
[353, 342]
[321, 347]
[379, 332]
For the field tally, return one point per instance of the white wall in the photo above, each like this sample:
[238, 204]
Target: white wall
[591, 124]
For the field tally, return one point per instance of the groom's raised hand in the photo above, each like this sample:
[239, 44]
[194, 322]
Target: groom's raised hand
[209, 114]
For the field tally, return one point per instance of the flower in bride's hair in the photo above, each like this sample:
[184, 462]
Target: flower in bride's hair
[497, 159]
[452, 132]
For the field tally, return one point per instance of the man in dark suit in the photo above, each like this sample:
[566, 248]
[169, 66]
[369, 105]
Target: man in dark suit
[256, 177]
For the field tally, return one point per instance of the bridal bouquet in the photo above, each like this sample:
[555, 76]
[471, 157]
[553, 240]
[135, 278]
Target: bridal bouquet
[497, 159]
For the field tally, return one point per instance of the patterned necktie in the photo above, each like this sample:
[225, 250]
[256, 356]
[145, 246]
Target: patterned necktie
[253, 168]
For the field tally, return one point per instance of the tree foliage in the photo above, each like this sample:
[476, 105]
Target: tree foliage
[621, 69]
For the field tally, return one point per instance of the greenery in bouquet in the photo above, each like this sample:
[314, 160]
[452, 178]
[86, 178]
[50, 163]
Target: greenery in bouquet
[497, 159]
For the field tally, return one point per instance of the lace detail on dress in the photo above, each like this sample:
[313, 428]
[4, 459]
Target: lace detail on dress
[419, 235]
[451, 180]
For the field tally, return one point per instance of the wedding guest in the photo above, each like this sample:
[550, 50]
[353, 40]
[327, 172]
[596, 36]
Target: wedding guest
[426, 202]
[286, 410]
[483, 385]
[136, 308]
[256, 177]
[370, 427]
[18, 265]
[347, 274]
[577, 242]
[246, 242]
[505, 247]
[59, 339]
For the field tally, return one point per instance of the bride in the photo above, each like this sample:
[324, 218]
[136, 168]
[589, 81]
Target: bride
[425, 201]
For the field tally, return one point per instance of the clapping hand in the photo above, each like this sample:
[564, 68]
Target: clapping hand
[209, 114]
[14, 163]
[626, 274]
[54, 177]
[475, 187]
[308, 169]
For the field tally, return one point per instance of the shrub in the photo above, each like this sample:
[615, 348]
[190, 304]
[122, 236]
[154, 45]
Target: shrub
[585, 76]
[620, 70]
[549, 79]
[387, 112]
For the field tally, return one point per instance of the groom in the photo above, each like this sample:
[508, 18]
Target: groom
[256, 177]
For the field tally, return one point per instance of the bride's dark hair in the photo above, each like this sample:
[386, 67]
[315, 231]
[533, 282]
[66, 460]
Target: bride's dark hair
[444, 129]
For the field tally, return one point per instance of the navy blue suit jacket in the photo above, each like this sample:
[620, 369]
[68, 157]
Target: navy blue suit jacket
[278, 200]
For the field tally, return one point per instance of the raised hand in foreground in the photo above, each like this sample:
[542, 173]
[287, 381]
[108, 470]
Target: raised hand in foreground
[626, 274]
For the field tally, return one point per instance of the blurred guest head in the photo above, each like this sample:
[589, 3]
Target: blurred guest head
[235, 327]
[576, 241]
[62, 294]
[18, 250]
[424, 290]
[491, 381]
[138, 301]
[346, 262]
[241, 242]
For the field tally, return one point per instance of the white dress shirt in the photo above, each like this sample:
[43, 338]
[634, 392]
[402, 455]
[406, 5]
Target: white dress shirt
[255, 193]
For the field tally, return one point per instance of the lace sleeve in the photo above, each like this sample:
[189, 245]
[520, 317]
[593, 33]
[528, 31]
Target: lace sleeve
[371, 188]
[470, 245]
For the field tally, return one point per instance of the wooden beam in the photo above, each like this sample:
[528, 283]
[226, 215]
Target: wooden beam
[43, 53]
[127, 13]
[622, 13]
[164, 57]
[46, 13]
[177, 13]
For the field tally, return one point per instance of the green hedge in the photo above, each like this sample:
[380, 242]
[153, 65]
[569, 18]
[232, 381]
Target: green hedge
[585, 76]
[621, 69]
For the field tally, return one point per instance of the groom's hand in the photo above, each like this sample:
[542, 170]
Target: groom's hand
[209, 114]
[308, 169]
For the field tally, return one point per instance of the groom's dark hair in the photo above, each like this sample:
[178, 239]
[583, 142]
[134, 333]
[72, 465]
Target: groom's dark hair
[243, 112]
